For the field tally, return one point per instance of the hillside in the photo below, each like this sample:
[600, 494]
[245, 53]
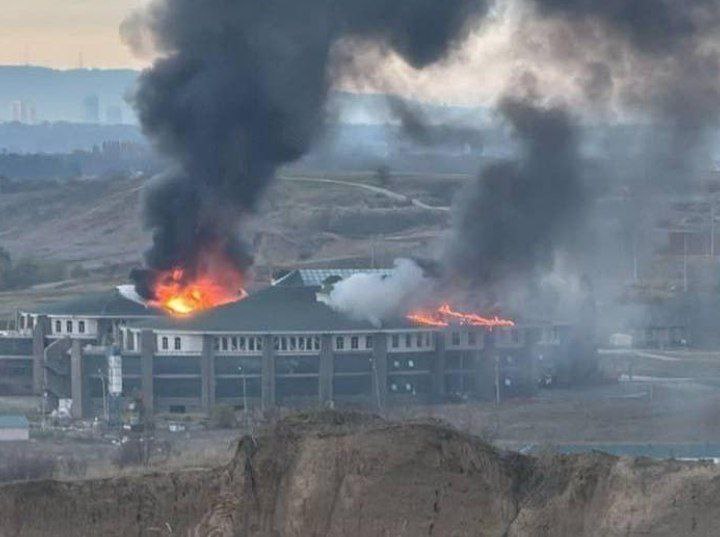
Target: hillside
[304, 220]
[350, 475]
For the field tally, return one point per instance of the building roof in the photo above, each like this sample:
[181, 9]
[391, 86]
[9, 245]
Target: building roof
[316, 277]
[16, 346]
[14, 422]
[274, 309]
[102, 304]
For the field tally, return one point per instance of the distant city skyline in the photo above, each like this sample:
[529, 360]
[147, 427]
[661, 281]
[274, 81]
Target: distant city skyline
[66, 34]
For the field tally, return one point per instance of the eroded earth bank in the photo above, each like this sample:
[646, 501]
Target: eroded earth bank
[347, 475]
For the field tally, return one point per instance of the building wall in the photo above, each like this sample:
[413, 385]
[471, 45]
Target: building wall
[314, 369]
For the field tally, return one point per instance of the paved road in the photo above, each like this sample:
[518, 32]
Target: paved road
[376, 189]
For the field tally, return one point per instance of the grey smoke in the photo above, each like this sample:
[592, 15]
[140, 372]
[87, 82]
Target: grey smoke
[415, 125]
[376, 297]
[510, 224]
[241, 89]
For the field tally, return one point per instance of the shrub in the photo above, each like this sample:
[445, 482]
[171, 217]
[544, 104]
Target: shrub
[22, 466]
[223, 417]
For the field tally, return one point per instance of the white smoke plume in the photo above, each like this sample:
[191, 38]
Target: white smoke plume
[376, 297]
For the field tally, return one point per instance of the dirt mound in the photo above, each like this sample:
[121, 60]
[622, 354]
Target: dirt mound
[351, 475]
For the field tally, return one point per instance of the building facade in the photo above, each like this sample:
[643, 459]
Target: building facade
[282, 346]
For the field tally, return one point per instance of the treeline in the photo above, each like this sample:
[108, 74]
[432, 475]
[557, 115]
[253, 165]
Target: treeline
[39, 166]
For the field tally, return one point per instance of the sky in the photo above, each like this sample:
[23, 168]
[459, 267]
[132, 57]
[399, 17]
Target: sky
[55, 33]
[67, 34]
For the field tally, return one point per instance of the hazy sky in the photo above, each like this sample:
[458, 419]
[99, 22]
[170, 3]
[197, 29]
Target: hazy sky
[55, 32]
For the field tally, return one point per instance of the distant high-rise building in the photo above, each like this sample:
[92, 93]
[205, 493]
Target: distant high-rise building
[113, 115]
[24, 112]
[91, 109]
[16, 111]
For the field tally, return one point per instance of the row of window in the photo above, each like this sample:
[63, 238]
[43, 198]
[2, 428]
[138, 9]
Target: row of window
[69, 327]
[27, 321]
[297, 343]
[419, 340]
[238, 343]
[353, 343]
[165, 343]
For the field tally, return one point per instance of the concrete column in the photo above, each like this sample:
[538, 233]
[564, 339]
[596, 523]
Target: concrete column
[327, 370]
[485, 362]
[148, 344]
[77, 381]
[40, 331]
[267, 398]
[207, 367]
[438, 369]
[380, 370]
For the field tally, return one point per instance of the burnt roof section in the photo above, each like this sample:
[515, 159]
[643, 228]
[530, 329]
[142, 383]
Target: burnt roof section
[16, 346]
[274, 309]
[102, 304]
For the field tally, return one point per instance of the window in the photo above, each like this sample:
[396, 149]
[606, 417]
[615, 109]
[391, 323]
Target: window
[224, 343]
[130, 340]
[354, 342]
[455, 339]
[293, 343]
[58, 327]
[408, 340]
[251, 343]
[30, 322]
[69, 326]
[301, 343]
[427, 339]
[165, 343]
[472, 339]
[81, 327]
[178, 343]
[395, 341]
[368, 342]
[242, 344]
[419, 340]
[340, 343]
[22, 321]
[216, 343]
[284, 343]
[234, 343]
[316, 341]
[258, 343]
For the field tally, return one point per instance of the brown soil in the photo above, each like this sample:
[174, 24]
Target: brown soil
[349, 475]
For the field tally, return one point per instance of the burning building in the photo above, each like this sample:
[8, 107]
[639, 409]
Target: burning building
[281, 346]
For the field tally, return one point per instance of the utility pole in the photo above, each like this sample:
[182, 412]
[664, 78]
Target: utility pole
[104, 397]
[245, 402]
[497, 380]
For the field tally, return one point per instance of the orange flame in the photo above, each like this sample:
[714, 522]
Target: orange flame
[217, 283]
[445, 314]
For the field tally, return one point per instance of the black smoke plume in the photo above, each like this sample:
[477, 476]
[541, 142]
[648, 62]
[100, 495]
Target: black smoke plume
[240, 90]
[510, 223]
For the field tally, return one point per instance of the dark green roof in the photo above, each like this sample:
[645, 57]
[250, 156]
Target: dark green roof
[275, 309]
[16, 346]
[102, 304]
